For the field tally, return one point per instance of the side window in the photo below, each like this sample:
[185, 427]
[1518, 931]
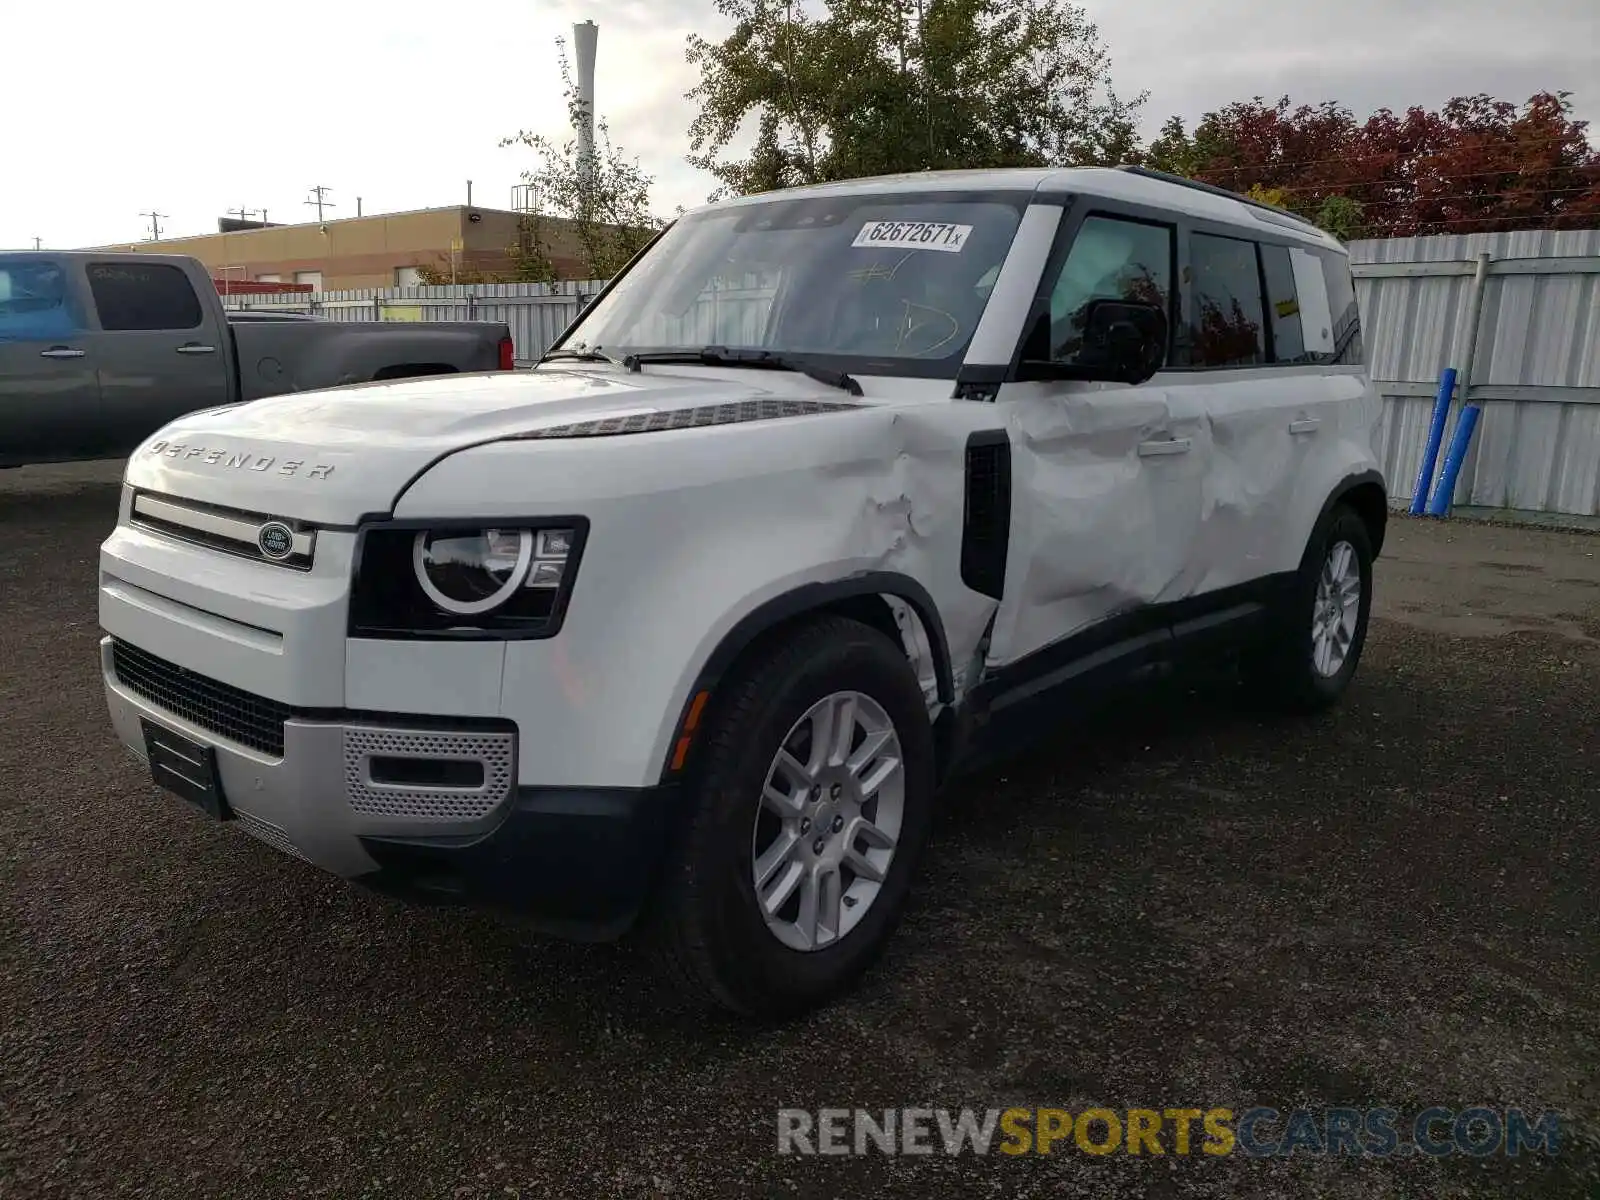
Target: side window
[1228, 327]
[35, 302]
[1110, 259]
[1283, 306]
[1345, 319]
[143, 296]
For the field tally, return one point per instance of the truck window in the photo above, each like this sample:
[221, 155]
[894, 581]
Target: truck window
[143, 296]
[35, 304]
[1228, 325]
[1110, 259]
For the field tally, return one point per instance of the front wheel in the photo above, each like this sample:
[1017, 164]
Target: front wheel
[1316, 639]
[810, 810]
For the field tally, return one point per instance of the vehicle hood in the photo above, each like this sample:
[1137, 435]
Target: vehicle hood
[335, 456]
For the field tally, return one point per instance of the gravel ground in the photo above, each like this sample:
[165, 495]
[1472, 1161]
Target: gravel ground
[1184, 905]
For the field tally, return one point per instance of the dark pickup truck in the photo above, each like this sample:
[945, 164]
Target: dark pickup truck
[98, 351]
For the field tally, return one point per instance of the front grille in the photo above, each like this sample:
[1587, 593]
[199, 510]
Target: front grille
[230, 530]
[218, 708]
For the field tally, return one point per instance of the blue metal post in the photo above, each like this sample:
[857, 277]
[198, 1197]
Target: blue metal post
[1439, 505]
[1430, 454]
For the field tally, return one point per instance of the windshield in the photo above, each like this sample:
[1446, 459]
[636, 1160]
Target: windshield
[882, 284]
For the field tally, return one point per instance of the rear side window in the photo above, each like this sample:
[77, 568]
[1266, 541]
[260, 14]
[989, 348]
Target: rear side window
[143, 296]
[1228, 326]
[35, 301]
[1310, 306]
[1347, 349]
[1283, 306]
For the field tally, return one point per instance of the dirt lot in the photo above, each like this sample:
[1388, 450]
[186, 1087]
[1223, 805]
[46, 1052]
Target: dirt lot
[1186, 905]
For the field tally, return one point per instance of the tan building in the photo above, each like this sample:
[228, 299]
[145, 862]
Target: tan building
[368, 252]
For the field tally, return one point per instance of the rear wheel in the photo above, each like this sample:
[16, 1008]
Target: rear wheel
[811, 808]
[1316, 639]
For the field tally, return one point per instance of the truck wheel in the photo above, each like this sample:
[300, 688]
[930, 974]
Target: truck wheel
[1316, 640]
[809, 810]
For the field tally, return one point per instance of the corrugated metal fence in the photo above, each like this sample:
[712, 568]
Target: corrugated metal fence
[1536, 374]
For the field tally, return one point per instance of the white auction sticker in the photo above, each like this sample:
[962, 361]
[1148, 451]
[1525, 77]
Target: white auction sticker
[913, 235]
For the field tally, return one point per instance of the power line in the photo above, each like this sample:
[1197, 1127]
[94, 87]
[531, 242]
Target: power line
[1538, 220]
[319, 200]
[1427, 177]
[155, 224]
[1410, 155]
[1414, 195]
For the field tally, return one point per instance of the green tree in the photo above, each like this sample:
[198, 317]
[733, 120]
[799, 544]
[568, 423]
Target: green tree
[600, 208]
[1276, 197]
[1173, 150]
[839, 89]
[1340, 216]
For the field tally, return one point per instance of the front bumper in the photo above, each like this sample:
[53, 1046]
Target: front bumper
[377, 798]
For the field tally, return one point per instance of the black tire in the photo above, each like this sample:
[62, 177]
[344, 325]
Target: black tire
[1281, 674]
[706, 927]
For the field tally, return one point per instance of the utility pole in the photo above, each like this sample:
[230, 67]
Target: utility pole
[38, 243]
[242, 213]
[319, 199]
[155, 224]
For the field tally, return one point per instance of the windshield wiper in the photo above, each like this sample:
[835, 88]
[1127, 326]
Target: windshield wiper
[721, 356]
[586, 354]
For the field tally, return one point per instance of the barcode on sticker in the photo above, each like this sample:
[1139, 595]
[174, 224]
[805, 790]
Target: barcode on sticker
[913, 235]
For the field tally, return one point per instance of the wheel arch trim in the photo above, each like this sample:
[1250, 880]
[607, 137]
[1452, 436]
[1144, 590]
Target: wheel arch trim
[799, 602]
[1341, 493]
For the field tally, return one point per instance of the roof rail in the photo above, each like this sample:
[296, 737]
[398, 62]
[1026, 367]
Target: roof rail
[1213, 189]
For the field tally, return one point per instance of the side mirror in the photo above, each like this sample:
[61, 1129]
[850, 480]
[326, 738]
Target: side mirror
[1124, 341]
[1128, 339]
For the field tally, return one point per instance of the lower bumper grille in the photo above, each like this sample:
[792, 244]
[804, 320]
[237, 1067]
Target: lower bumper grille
[491, 753]
[218, 708]
[269, 833]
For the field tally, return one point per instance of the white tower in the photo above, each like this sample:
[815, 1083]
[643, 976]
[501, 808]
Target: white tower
[584, 37]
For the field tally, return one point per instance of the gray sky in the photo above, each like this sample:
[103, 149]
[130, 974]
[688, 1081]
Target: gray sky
[402, 102]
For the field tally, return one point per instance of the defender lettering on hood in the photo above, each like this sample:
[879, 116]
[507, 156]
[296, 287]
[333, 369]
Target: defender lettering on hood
[242, 461]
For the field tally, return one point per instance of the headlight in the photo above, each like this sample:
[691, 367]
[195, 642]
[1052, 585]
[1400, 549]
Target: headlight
[459, 580]
[473, 572]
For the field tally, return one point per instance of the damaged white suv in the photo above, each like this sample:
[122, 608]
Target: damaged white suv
[829, 492]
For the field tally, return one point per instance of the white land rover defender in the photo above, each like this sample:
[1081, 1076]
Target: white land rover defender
[829, 491]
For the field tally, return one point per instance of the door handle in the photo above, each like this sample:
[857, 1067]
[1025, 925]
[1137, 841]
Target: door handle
[62, 352]
[1304, 426]
[1164, 446]
[196, 348]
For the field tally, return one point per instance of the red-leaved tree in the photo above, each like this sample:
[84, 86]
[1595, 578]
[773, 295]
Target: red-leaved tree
[1478, 164]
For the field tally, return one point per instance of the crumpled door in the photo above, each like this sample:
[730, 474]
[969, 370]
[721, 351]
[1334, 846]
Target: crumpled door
[1107, 486]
